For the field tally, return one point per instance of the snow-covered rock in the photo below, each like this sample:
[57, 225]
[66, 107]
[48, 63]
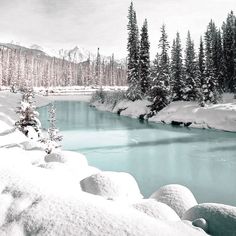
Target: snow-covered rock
[112, 185]
[221, 219]
[201, 223]
[156, 209]
[176, 196]
[133, 109]
[68, 157]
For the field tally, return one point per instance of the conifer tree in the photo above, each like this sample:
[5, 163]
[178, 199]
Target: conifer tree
[144, 59]
[54, 138]
[28, 119]
[228, 51]
[134, 90]
[210, 88]
[190, 72]
[98, 69]
[201, 62]
[177, 81]
[160, 90]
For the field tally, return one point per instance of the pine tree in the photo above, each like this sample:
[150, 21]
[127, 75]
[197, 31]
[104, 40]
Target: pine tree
[177, 82]
[201, 62]
[201, 72]
[228, 51]
[134, 90]
[192, 83]
[144, 59]
[54, 138]
[160, 90]
[98, 69]
[28, 114]
[210, 88]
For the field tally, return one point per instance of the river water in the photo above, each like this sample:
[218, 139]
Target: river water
[155, 154]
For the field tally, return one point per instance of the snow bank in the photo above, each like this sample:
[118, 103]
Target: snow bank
[133, 109]
[219, 116]
[155, 209]
[176, 196]
[112, 185]
[221, 219]
[68, 157]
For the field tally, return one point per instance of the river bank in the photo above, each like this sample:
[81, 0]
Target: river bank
[220, 116]
[60, 194]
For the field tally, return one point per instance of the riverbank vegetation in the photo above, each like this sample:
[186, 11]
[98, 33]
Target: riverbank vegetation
[183, 74]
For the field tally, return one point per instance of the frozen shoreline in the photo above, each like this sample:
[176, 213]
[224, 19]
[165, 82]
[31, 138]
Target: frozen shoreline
[219, 116]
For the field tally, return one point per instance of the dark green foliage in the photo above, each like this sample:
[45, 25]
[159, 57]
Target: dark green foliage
[134, 90]
[144, 60]
[177, 79]
[160, 90]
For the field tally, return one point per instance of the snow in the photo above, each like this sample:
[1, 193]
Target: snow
[112, 185]
[44, 194]
[220, 116]
[176, 196]
[71, 158]
[155, 209]
[221, 219]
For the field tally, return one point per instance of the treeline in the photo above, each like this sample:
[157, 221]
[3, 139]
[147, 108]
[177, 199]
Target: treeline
[178, 74]
[20, 67]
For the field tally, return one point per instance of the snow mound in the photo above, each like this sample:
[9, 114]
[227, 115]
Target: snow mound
[221, 219]
[112, 185]
[68, 157]
[176, 196]
[156, 209]
[201, 223]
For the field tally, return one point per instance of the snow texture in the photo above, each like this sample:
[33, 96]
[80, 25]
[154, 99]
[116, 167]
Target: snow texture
[221, 219]
[71, 158]
[112, 185]
[176, 196]
[155, 209]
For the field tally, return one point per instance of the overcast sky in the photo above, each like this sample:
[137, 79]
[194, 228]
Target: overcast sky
[102, 23]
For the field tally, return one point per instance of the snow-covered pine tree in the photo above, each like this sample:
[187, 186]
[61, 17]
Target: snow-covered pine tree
[210, 88]
[54, 138]
[144, 59]
[176, 65]
[192, 83]
[201, 72]
[160, 90]
[201, 62]
[228, 51]
[133, 79]
[28, 121]
[98, 69]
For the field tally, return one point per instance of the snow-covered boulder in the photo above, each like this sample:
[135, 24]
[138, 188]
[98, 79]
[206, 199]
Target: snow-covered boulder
[176, 196]
[156, 209]
[112, 185]
[71, 158]
[221, 219]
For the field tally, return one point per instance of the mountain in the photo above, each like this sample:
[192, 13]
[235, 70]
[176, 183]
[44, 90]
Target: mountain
[33, 51]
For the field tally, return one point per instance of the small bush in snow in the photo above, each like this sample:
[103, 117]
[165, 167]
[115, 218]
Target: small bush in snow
[54, 138]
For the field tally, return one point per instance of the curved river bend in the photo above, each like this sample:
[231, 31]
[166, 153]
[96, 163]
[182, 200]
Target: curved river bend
[155, 154]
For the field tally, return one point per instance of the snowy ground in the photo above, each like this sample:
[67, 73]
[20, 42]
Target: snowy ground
[59, 194]
[221, 116]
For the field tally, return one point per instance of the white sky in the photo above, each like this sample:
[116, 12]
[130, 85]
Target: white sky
[102, 23]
